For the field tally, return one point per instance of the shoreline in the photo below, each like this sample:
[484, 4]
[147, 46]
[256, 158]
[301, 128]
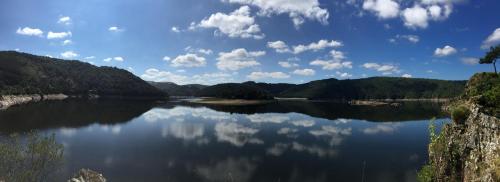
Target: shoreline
[7, 101]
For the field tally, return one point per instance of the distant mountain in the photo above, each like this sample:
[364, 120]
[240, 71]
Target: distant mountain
[236, 91]
[178, 90]
[377, 88]
[330, 89]
[22, 73]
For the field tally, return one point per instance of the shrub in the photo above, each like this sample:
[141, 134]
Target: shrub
[460, 114]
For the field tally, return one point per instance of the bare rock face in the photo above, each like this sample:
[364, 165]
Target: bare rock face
[470, 151]
[87, 175]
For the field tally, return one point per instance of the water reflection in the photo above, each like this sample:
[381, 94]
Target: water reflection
[277, 142]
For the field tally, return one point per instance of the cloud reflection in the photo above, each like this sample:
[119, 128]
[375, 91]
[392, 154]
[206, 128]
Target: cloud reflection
[236, 134]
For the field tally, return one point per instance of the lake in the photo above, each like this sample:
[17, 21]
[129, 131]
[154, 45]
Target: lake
[281, 141]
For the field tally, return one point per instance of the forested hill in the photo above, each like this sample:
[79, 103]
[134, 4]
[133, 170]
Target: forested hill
[22, 73]
[330, 89]
[178, 90]
[377, 88]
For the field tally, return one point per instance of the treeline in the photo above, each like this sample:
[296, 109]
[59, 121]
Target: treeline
[333, 89]
[22, 73]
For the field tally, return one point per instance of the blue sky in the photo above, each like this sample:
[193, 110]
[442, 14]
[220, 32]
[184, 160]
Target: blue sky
[295, 41]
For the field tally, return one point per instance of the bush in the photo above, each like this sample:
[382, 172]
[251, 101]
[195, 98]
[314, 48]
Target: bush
[460, 114]
[425, 174]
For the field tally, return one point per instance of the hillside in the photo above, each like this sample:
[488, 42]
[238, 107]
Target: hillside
[22, 73]
[178, 90]
[376, 88]
[235, 91]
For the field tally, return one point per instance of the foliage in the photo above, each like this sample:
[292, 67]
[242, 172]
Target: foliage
[377, 88]
[235, 91]
[425, 174]
[460, 114]
[22, 73]
[32, 160]
[491, 57]
[484, 89]
[178, 90]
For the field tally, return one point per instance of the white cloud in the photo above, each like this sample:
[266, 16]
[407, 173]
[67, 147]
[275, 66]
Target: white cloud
[162, 76]
[58, 35]
[175, 29]
[166, 58]
[236, 134]
[238, 23]
[470, 60]
[304, 72]
[279, 46]
[445, 51]
[188, 60]
[118, 59]
[69, 54]
[406, 75]
[297, 10]
[492, 40]
[30, 31]
[415, 17]
[205, 51]
[67, 42]
[304, 123]
[89, 57]
[267, 118]
[238, 59]
[343, 74]
[383, 8]
[265, 75]
[286, 64]
[331, 64]
[316, 46]
[386, 69]
[66, 20]
[409, 38]
[115, 29]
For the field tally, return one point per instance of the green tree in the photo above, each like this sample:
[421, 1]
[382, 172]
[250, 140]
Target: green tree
[491, 57]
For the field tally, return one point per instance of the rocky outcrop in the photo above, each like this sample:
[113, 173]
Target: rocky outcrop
[87, 175]
[9, 100]
[469, 151]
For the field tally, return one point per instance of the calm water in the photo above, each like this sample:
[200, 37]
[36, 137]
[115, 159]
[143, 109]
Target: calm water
[283, 141]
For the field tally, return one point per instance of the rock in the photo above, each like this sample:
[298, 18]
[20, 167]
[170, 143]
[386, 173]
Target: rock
[470, 151]
[87, 175]
[10, 100]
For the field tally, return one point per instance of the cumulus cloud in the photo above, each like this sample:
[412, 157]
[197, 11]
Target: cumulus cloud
[304, 123]
[188, 60]
[118, 59]
[445, 51]
[492, 40]
[175, 29]
[279, 46]
[58, 35]
[66, 20]
[304, 72]
[267, 75]
[287, 64]
[115, 29]
[238, 59]
[316, 46]
[238, 23]
[406, 75]
[30, 31]
[156, 75]
[409, 38]
[386, 69]
[297, 10]
[69, 54]
[343, 74]
[415, 17]
[67, 42]
[470, 61]
[166, 58]
[382, 8]
[335, 62]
